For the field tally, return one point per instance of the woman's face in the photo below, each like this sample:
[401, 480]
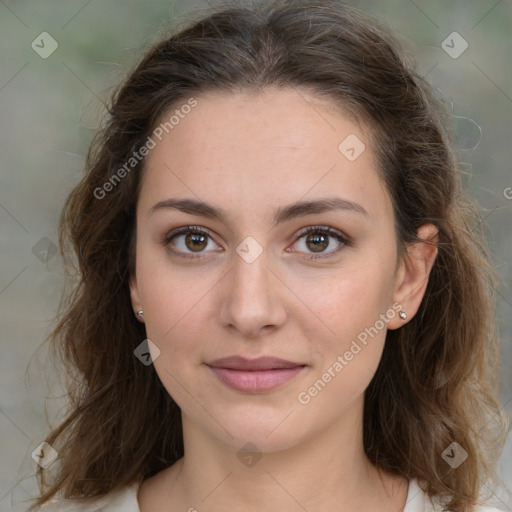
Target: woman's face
[248, 169]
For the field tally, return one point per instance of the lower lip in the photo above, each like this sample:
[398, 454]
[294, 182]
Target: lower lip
[257, 381]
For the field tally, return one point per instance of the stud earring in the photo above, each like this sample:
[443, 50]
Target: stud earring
[140, 313]
[402, 315]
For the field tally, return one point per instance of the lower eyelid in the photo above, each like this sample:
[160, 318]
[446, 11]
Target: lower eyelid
[342, 242]
[169, 241]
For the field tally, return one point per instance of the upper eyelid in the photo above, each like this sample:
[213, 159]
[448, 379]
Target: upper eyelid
[302, 231]
[321, 228]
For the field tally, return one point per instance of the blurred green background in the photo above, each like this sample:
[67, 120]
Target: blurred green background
[50, 108]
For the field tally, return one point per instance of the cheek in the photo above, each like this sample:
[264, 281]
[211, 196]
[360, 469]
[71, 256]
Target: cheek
[172, 295]
[177, 325]
[346, 304]
[350, 347]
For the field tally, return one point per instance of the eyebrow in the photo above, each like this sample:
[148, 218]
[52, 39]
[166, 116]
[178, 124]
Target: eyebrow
[283, 214]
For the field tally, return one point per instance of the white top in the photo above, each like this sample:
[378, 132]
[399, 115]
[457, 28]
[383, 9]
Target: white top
[125, 500]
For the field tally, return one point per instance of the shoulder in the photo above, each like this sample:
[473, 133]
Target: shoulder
[438, 507]
[485, 508]
[481, 508]
[419, 501]
[124, 500]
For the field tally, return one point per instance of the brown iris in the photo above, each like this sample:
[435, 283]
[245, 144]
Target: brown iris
[320, 242]
[196, 241]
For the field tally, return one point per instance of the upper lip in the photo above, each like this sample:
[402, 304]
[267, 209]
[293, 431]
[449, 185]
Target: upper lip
[261, 363]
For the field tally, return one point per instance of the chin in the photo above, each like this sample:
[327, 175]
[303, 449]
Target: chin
[248, 439]
[270, 430]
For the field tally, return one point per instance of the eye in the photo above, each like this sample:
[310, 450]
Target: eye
[316, 239]
[188, 240]
[192, 241]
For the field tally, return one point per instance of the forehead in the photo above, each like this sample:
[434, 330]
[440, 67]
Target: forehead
[256, 148]
[275, 117]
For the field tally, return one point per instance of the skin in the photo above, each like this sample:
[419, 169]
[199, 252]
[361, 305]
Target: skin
[250, 153]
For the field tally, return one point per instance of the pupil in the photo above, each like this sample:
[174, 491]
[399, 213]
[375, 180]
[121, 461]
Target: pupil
[198, 241]
[316, 239]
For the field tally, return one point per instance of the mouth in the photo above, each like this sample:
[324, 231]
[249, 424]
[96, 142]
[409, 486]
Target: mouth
[255, 375]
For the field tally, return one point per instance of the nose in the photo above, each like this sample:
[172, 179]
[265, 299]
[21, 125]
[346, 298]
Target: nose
[251, 301]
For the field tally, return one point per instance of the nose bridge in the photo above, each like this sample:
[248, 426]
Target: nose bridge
[250, 276]
[250, 301]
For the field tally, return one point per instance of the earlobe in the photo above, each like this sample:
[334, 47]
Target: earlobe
[414, 272]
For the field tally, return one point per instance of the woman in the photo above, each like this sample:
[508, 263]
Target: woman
[282, 284]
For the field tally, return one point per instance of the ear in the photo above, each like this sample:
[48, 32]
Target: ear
[134, 294]
[413, 273]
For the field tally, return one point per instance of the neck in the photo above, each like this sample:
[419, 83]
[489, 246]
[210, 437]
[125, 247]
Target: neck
[215, 477]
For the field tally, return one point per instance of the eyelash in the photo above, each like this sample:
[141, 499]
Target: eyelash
[324, 230]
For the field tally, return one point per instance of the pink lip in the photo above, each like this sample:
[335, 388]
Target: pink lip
[255, 375]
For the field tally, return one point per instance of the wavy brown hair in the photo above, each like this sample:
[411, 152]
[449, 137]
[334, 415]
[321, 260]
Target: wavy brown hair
[436, 382]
